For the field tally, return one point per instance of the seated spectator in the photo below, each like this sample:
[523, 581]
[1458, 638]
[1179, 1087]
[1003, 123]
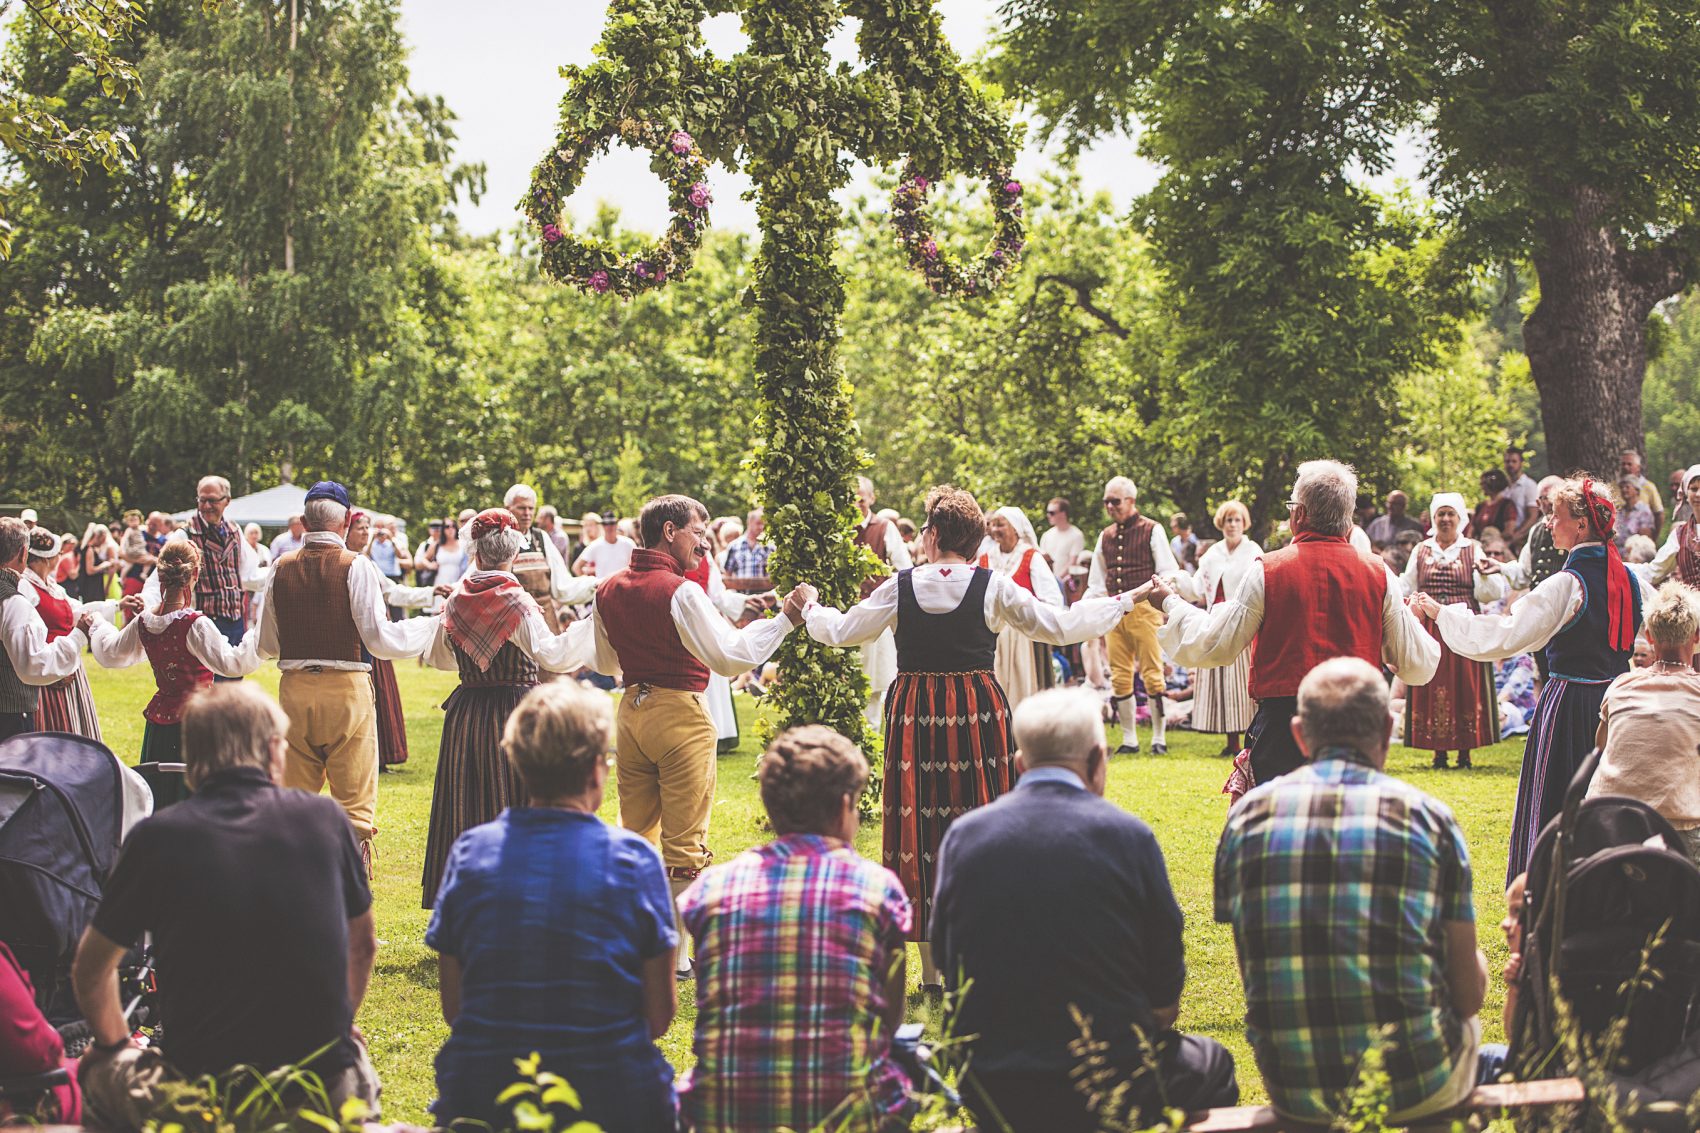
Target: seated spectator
[1639, 549]
[29, 1046]
[257, 903]
[554, 934]
[1383, 870]
[800, 960]
[1051, 899]
[1649, 735]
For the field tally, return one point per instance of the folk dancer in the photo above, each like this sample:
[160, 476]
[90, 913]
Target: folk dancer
[1221, 698]
[1458, 709]
[1130, 552]
[322, 611]
[1585, 617]
[67, 705]
[28, 660]
[882, 538]
[539, 566]
[947, 733]
[1022, 665]
[229, 566]
[1312, 600]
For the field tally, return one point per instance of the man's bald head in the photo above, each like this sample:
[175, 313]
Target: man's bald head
[1343, 703]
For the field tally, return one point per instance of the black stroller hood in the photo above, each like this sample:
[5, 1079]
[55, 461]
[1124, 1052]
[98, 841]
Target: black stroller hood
[61, 813]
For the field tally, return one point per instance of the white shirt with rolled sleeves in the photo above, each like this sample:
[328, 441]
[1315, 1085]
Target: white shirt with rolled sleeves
[384, 639]
[1533, 621]
[941, 587]
[564, 652]
[121, 648]
[705, 634]
[1215, 637]
[249, 569]
[36, 660]
[1663, 565]
[1162, 556]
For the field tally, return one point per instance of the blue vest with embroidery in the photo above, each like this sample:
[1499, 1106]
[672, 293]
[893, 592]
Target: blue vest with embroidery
[1582, 650]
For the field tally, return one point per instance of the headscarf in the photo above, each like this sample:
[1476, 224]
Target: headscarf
[1018, 520]
[491, 520]
[1455, 501]
[1693, 471]
[1620, 593]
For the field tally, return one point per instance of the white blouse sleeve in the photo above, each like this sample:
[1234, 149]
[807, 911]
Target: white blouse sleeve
[1212, 638]
[117, 648]
[1408, 581]
[212, 650]
[439, 654]
[895, 550]
[1009, 606]
[1045, 587]
[1664, 563]
[565, 652]
[727, 651]
[35, 660]
[1532, 622]
[1097, 584]
[1408, 649]
[858, 625]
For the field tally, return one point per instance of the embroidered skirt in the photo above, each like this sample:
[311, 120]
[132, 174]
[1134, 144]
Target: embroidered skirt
[392, 725]
[474, 783]
[68, 706]
[1457, 710]
[1220, 700]
[948, 750]
[1561, 734]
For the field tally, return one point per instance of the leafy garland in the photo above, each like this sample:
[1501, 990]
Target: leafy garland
[915, 230]
[595, 265]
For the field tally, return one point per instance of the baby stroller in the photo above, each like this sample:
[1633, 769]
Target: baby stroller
[1612, 914]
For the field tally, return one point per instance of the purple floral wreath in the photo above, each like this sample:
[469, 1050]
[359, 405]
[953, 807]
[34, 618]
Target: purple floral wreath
[914, 229]
[595, 265]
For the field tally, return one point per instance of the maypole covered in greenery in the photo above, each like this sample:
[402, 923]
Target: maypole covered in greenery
[782, 112]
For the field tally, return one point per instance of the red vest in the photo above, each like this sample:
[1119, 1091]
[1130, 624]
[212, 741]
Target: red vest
[1321, 599]
[55, 612]
[636, 608]
[1023, 576]
[177, 671]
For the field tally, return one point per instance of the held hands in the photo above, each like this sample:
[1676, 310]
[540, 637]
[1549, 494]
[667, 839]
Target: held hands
[1486, 565]
[1156, 592]
[1425, 606]
[444, 590]
[85, 621]
[797, 602]
[131, 605]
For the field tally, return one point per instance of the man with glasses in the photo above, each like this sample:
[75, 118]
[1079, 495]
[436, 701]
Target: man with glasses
[229, 566]
[1132, 551]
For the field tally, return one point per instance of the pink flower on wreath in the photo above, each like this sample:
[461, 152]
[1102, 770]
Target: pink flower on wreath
[598, 281]
[551, 234]
[641, 270]
[681, 142]
[921, 183]
[930, 250]
[1013, 188]
[700, 195]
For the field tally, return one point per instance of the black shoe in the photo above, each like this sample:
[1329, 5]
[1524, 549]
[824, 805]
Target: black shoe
[1465, 763]
[1159, 749]
[1128, 749]
[1439, 763]
[686, 971]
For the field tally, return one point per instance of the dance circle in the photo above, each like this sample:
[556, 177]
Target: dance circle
[914, 228]
[598, 266]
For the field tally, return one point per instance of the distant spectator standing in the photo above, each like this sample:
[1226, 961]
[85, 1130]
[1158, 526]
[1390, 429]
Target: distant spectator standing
[290, 538]
[589, 531]
[1061, 544]
[137, 556]
[1497, 510]
[424, 559]
[390, 554]
[1050, 897]
[261, 921]
[610, 554]
[100, 561]
[1629, 468]
[1684, 509]
[1384, 530]
[549, 519]
[747, 557]
[1398, 963]
[1522, 491]
[1181, 528]
[1634, 517]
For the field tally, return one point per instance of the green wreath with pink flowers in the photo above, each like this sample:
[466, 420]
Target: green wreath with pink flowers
[596, 265]
[915, 231]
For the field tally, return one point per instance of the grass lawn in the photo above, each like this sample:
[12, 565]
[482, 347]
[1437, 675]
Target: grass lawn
[1178, 794]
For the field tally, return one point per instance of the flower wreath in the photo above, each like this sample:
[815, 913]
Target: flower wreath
[595, 265]
[909, 217]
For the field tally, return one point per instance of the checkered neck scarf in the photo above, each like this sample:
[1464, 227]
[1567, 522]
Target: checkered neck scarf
[483, 613]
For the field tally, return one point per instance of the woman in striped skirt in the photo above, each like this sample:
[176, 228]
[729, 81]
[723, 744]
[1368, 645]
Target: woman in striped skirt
[386, 695]
[66, 706]
[1220, 700]
[493, 633]
[947, 740]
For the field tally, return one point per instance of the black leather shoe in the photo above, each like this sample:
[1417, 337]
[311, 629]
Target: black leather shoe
[1128, 749]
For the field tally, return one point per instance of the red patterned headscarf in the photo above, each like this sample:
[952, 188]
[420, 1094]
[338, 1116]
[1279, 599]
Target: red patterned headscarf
[491, 520]
[1620, 592]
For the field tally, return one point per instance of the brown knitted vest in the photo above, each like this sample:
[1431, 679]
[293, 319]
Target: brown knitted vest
[315, 621]
[1129, 561]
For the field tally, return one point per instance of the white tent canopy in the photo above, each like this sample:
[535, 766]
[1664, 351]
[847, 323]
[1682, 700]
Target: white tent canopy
[270, 508]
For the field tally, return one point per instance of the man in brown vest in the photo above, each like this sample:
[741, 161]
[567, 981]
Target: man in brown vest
[1132, 551]
[321, 604]
[879, 535]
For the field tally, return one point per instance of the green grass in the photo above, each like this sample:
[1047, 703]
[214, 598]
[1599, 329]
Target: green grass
[1178, 794]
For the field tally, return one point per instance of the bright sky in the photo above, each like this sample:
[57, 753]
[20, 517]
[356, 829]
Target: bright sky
[499, 73]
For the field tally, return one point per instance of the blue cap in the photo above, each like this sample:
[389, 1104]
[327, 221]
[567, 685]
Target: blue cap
[328, 490]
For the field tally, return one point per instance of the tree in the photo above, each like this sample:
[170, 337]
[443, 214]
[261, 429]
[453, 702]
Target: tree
[1559, 133]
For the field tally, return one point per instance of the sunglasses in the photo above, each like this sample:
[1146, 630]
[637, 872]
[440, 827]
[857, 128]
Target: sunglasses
[1111, 501]
[1053, 511]
[210, 499]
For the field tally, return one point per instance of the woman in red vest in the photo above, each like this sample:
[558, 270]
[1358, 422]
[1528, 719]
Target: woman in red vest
[1023, 666]
[67, 705]
[1680, 556]
[1459, 709]
[947, 739]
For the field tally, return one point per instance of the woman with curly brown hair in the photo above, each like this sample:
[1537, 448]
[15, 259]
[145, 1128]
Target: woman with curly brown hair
[947, 739]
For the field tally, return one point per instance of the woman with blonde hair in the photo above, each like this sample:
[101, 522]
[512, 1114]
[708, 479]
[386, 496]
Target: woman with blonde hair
[100, 562]
[1585, 617]
[1220, 700]
[1649, 735]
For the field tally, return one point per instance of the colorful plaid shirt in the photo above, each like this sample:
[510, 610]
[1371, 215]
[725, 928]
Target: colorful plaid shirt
[746, 561]
[1338, 881]
[794, 943]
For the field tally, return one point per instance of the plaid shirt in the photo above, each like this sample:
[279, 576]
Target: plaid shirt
[218, 592]
[746, 561]
[1338, 880]
[794, 944]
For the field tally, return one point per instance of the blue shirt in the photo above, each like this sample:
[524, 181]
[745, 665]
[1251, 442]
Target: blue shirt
[552, 914]
[1051, 775]
[383, 553]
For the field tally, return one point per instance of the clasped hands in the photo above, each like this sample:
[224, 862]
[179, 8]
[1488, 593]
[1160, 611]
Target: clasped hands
[797, 602]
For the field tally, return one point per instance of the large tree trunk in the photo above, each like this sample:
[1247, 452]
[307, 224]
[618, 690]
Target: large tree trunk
[1586, 339]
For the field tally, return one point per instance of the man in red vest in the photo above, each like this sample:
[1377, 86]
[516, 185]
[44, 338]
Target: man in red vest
[1315, 599]
[665, 635]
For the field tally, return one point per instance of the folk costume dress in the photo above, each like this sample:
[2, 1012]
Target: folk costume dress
[66, 705]
[1458, 710]
[948, 747]
[186, 651]
[1221, 700]
[1023, 666]
[1679, 558]
[1585, 619]
[879, 656]
[719, 691]
[493, 633]
[386, 695]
